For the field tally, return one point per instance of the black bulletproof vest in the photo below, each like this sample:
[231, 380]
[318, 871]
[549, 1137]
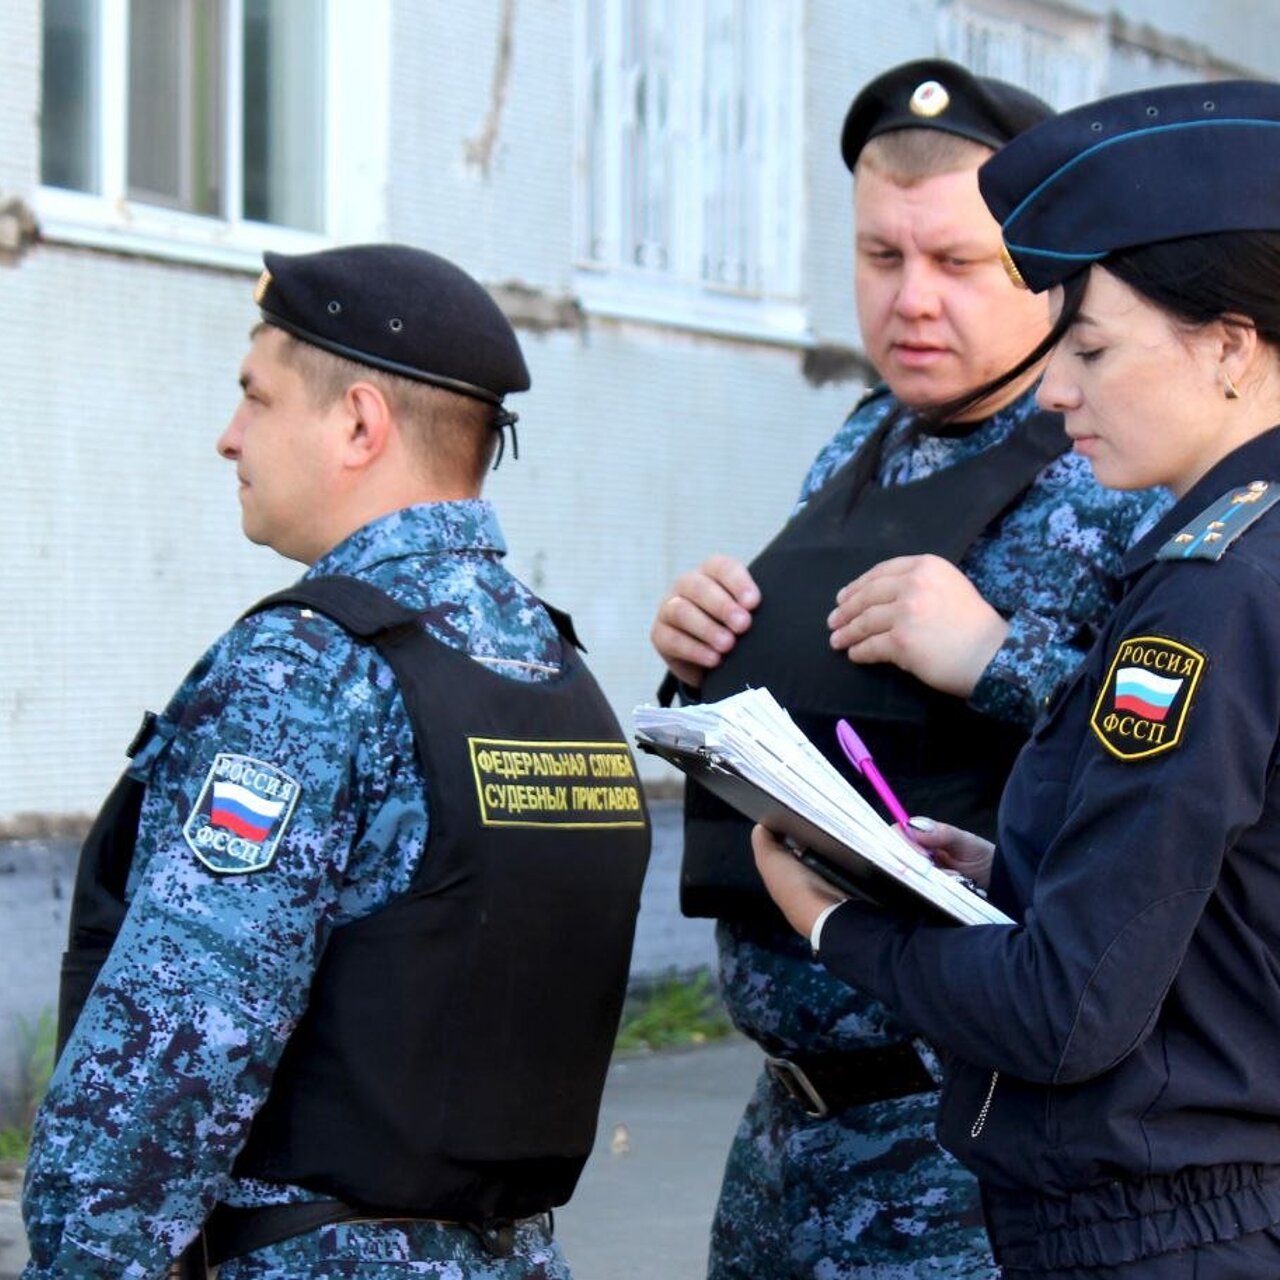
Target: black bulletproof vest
[97, 901]
[453, 1053]
[940, 756]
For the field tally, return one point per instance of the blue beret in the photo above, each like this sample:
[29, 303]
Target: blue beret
[1159, 164]
[935, 94]
[396, 308]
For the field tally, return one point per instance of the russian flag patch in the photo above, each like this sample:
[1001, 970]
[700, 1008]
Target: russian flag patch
[241, 814]
[1142, 707]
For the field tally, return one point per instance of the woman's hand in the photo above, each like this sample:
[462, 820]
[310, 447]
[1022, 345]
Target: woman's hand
[954, 849]
[801, 894]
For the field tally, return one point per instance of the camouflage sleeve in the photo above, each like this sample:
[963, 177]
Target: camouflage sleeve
[1027, 668]
[247, 828]
[831, 457]
[866, 415]
[1065, 565]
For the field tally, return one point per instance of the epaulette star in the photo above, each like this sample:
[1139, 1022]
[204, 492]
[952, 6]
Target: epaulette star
[1208, 536]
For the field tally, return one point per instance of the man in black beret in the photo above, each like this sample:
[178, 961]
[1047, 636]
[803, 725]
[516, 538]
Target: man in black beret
[934, 586]
[309, 1002]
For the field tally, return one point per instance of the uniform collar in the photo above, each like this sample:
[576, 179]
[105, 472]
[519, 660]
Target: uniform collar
[427, 529]
[1256, 459]
[993, 427]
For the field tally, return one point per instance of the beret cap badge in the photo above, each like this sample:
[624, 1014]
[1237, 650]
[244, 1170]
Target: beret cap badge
[929, 99]
[933, 93]
[260, 289]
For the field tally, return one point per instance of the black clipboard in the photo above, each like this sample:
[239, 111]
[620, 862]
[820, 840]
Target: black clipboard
[838, 863]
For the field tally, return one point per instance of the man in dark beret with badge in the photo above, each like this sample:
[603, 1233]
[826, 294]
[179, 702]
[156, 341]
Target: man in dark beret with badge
[1111, 1050]
[936, 583]
[351, 935]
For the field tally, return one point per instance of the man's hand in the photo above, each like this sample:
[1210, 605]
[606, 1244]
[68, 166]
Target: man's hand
[703, 616]
[802, 895]
[921, 614]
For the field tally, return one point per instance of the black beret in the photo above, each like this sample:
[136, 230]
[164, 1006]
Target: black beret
[935, 94]
[396, 308]
[1158, 164]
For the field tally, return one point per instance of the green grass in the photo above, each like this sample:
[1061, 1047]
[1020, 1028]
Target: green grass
[673, 1011]
[13, 1144]
[35, 1065]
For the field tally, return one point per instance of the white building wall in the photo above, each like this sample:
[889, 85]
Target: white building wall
[1243, 32]
[119, 523]
[643, 447]
[483, 169]
[19, 91]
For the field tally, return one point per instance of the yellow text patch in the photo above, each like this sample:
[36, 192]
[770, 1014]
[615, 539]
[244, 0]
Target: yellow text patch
[555, 784]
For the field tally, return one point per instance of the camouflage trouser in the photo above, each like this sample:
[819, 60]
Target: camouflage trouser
[387, 1251]
[866, 1193]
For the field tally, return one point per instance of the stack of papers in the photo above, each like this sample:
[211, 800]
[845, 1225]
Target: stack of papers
[749, 751]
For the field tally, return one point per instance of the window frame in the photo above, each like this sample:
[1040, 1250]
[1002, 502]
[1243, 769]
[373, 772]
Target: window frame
[356, 74]
[1082, 37]
[618, 291]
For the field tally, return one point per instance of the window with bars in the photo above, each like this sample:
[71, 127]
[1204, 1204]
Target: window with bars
[1064, 56]
[195, 117]
[1140, 56]
[1058, 54]
[689, 145]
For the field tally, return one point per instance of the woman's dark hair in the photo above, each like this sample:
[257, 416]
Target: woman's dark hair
[1227, 275]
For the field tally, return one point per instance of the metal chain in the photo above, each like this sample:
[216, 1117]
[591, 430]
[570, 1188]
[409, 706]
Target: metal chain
[981, 1121]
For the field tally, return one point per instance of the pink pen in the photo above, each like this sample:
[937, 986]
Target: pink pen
[856, 751]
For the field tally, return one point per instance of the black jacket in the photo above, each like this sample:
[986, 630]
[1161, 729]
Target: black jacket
[1113, 1080]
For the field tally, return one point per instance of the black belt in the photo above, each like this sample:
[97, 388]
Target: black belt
[835, 1082]
[230, 1231]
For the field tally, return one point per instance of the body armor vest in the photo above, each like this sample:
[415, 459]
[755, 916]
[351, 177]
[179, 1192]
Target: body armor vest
[453, 1052]
[939, 755]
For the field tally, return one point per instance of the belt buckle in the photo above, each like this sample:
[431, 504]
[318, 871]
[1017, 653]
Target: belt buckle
[793, 1079]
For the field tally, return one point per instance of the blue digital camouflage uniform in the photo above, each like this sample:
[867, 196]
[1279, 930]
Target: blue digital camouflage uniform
[867, 1191]
[175, 1049]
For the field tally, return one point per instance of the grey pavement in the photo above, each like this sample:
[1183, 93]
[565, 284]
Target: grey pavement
[643, 1208]
[13, 1243]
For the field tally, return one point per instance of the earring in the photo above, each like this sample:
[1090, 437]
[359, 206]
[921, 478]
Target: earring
[1229, 388]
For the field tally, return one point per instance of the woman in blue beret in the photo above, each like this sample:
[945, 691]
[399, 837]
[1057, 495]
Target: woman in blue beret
[1114, 1054]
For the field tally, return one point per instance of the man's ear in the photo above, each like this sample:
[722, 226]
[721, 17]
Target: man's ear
[369, 424]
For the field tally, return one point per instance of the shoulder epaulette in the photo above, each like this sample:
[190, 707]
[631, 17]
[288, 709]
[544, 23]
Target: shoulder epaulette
[1209, 535]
